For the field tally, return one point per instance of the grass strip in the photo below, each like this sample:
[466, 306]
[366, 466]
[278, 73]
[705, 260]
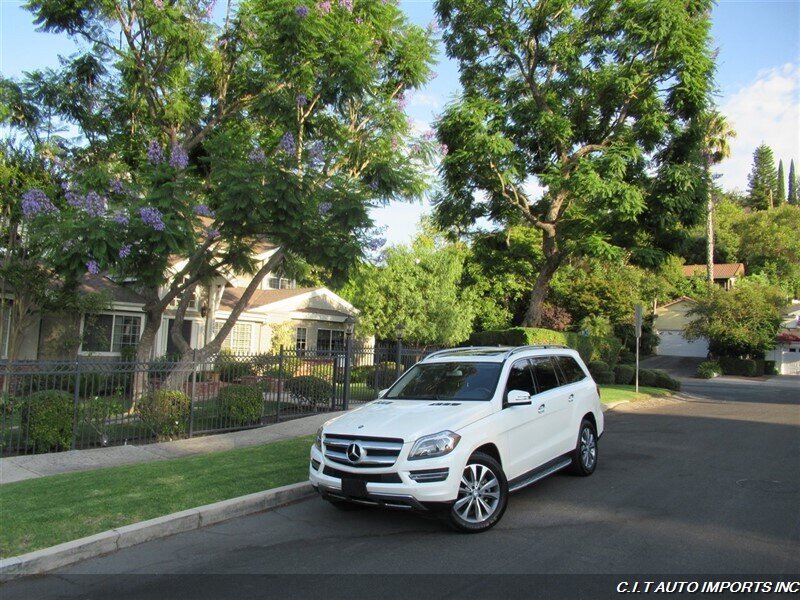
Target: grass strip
[43, 512]
[609, 394]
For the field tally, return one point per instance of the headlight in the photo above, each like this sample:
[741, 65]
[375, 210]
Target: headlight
[437, 444]
[318, 441]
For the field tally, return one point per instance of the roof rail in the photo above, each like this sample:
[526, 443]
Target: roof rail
[537, 347]
[455, 350]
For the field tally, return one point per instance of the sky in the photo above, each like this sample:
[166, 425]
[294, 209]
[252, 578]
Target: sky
[758, 79]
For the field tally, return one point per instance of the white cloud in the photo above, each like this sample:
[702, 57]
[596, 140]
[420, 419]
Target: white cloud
[419, 99]
[767, 110]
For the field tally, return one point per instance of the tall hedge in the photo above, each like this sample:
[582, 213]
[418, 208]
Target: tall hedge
[589, 347]
[241, 404]
[48, 417]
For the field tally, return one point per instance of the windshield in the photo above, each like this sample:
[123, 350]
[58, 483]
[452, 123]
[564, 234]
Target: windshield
[447, 381]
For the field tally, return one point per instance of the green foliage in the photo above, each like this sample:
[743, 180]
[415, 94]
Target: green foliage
[165, 412]
[597, 366]
[762, 182]
[232, 368]
[360, 374]
[624, 374]
[309, 389]
[742, 322]
[744, 367]
[780, 196]
[590, 348]
[420, 287]
[791, 194]
[48, 416]
[658, 378]
[709, 369]
[603, 377]
[241, 404]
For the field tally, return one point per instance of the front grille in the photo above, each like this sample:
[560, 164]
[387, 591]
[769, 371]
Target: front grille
[375, 452]
[368, 477]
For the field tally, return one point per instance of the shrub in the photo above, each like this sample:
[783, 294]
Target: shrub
[360, 374]
[48, 415]
[626, 357]
[658, 378]
[166, 412]
[647, 377]
[309, 389]
[230, 368]
[770, 368]
[603, 377]
[744, 367]
[708, 369]
[291, 365]
[598, 366]
[241, 404]
[624, 374]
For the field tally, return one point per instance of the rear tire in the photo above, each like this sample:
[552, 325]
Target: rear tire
[584, 457]
[482, 495]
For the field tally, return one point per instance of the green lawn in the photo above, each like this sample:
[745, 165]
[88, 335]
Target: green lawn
[619, 393]
[43, 512]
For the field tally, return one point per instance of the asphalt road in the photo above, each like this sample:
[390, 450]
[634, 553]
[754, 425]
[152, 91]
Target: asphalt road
[708, 485]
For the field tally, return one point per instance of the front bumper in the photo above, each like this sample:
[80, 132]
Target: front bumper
[396, 489]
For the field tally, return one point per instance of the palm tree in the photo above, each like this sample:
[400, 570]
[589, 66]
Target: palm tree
[715, 149]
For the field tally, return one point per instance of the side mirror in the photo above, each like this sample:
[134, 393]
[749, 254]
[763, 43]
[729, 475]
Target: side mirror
[518, 398]
[382, 393]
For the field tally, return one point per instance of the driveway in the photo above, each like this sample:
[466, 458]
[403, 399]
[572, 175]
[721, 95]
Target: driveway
[709, 485]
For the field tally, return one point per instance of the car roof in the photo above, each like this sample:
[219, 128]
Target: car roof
[492, 353]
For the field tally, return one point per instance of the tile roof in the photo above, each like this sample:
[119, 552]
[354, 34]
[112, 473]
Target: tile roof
[721, 271]
[231, 296]
[117, 292]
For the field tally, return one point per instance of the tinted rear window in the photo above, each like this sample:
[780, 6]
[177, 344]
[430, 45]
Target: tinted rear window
[571, 369]
[545, 374]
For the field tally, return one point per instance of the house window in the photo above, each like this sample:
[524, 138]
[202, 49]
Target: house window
[110, 333]
[300, 338]
[281, 283]
[330, 339]
[239, 340]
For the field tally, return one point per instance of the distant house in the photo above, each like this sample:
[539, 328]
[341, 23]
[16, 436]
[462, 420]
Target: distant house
[310, 318]
[787, 347]
[670, 319]
[725, 274]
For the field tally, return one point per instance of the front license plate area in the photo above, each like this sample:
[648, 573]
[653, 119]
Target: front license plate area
[354, 488]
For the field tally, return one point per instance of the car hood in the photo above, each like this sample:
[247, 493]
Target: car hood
[408, 419]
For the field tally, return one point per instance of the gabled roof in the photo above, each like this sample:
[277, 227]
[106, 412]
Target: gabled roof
[117, 293]
[721, 271]
[231, 296]
[676, 301]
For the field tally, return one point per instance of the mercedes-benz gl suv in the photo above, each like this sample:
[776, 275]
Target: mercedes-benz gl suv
[460, 430]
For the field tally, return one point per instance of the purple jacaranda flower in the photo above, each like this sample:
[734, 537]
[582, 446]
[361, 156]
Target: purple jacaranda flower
[287, 143]
[159, 3]
[152, 217]
[116, 187]
[324, 7]
[121, 218]
[401, 102]
[373, 185]
[154, 153]
[202, 210]
[93, 267]
[415, 148]
[301, 11]
[301, 100]
[66, 186]
[433, 75]
[317, 148]
[73, 199]
[429, 135]
[376, 243]
[325, 208]
[125, 251]
[36, 202]
[93, 204]
[346, 4]
[210, 8]
[444, 149]
[178, 159]
[433, 26]
[257, 156]
[393, 142]
[211, 232]
[359, 20]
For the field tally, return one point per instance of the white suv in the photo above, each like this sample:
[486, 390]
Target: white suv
[460, 430]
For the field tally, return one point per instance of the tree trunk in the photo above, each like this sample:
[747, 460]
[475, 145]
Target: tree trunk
[710, 230]
[143, 349]
[553, 258]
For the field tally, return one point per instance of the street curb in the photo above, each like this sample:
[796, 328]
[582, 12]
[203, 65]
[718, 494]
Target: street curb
[62, 555]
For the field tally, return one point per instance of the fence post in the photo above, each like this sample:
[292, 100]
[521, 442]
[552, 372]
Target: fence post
[348, 353]
[280, 385]
[191, 397]
[398, 357]
[75, 401]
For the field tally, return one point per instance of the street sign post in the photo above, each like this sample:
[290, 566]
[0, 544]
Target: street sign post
[637, 324]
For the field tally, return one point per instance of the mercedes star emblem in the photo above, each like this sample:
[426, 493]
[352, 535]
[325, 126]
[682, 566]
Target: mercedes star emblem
[354, 453]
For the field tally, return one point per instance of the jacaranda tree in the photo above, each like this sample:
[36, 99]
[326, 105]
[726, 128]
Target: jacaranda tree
[597, 102]
[199, 140]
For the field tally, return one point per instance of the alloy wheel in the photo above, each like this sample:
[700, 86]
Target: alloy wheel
[478, 494]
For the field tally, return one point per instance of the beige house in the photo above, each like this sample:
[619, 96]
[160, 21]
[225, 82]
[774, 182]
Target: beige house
[670, 319]
[278, 313]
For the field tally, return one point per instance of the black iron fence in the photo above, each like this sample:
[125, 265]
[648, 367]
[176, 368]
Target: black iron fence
[92, 402]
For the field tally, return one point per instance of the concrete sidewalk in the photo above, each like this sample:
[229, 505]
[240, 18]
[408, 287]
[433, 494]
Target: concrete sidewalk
[18, 468]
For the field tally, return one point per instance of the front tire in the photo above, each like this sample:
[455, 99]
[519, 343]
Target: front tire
[584, 457]
[482, 495]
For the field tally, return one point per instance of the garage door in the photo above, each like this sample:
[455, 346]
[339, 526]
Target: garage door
[674, 344]
[791, 362]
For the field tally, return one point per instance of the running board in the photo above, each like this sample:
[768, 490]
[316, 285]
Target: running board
[540, 475]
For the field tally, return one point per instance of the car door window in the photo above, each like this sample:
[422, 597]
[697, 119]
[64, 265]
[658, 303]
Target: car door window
[544, 373]
[570, 369]
[519, 378]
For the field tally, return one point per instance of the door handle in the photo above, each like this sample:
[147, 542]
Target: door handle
[541, 408]
[571, 397]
